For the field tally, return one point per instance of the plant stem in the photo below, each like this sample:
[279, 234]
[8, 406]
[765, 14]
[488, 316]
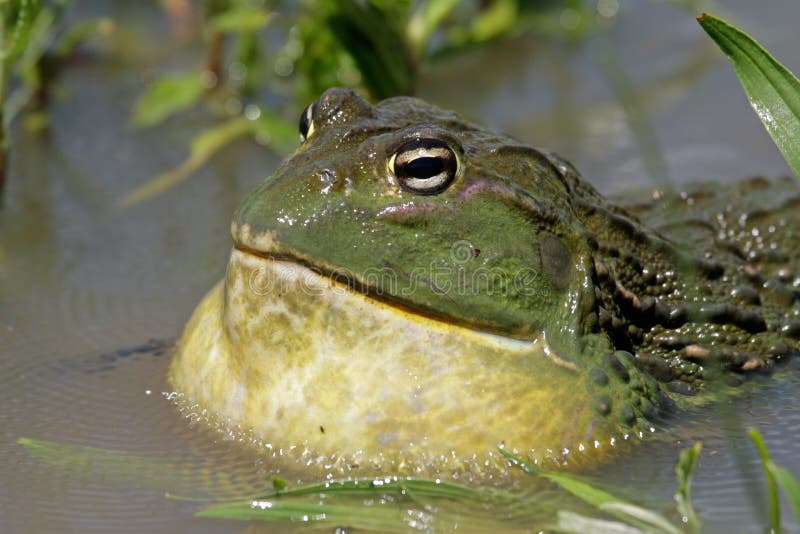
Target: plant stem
[772, 489]
[2, 157]
[3, 67]
[216, 43]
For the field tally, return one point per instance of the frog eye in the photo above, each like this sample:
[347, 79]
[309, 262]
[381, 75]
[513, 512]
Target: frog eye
[307, 123]
[424, 166]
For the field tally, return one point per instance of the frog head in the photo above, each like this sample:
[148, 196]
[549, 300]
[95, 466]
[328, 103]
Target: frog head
[413, 206]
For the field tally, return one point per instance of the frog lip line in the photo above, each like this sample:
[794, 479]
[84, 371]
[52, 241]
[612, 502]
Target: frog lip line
[344, 281]
[353, 285]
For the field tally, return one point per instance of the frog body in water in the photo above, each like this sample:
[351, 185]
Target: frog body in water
[409, 291]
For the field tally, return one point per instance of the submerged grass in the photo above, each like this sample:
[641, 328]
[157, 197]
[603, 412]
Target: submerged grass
[399, 504]
[387, 504]
[627, 516]
[683, 495]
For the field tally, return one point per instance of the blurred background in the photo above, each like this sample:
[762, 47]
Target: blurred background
[133, 129]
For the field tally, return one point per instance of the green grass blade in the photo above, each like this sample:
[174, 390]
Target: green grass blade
[419, 487]
[391, 504]
[203, 147]
[25, 15]
[683, 495]
[572, 523]
[600, 499]
[168, 96]
[773, 91]
[93, 461]
[495, 20]
[241, 19]
[772, 489]
[789, 484]
[424, 21]
[578, 488]
[638, 514]
[379, 518]
[370, 34]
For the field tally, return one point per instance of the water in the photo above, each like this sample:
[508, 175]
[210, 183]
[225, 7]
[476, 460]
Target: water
[80, 276]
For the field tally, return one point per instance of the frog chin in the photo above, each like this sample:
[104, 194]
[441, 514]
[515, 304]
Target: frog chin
[311, 365]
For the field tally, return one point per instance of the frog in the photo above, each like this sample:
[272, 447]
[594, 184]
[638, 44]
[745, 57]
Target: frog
[411, 293]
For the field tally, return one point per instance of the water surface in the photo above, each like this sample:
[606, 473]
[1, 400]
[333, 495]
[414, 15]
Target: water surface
[81, 278]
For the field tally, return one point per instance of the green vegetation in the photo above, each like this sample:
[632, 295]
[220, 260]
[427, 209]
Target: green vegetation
[378, 47]
[281, 505]
[773, 91]
[396, 504]
[33, 46]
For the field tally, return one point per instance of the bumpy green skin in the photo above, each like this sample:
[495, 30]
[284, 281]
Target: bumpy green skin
[640, 304]
[730, 277]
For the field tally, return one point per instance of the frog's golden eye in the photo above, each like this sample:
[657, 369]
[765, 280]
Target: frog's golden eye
[424, 166]
[307, 123]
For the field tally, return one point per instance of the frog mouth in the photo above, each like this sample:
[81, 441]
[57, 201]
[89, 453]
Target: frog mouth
[268, 246]
[339, 280]
[390, 286]
[336, 276]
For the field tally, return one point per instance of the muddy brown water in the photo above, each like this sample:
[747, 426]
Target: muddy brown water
[81, 279]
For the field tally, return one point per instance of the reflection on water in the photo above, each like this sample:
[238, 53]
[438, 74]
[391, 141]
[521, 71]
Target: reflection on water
[78, 276]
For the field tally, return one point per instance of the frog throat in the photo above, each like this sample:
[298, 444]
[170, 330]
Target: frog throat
[310, 365]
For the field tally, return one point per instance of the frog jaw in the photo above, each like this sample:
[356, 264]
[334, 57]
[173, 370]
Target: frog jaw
[305, 361]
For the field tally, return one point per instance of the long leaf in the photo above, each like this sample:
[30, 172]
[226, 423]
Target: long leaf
[683, 495]
[773, 91]
[167, 96]
[600, 499]
[572, 523]
[266, 126]
[240, 19]
[26, 13]
[369, 33]
[789, 485]
[391, 504]
[424, 21]
[106, 463]
[637, 513]
[772, 488]
[202, 148]
[380, 518]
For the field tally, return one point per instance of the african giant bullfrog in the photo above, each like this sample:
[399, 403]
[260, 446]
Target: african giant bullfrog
[409, 291]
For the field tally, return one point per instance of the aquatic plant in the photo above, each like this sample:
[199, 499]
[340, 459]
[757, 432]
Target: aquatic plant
[773, 91]
[33, 47]
[398, 504]
[618, 514]
[377, 47]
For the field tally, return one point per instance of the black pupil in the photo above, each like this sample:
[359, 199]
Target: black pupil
[423, 167]
[304, 122]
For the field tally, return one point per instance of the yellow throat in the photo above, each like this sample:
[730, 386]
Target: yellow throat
[361, 387]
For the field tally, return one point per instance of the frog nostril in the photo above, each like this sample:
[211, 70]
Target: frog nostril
[327, 180]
